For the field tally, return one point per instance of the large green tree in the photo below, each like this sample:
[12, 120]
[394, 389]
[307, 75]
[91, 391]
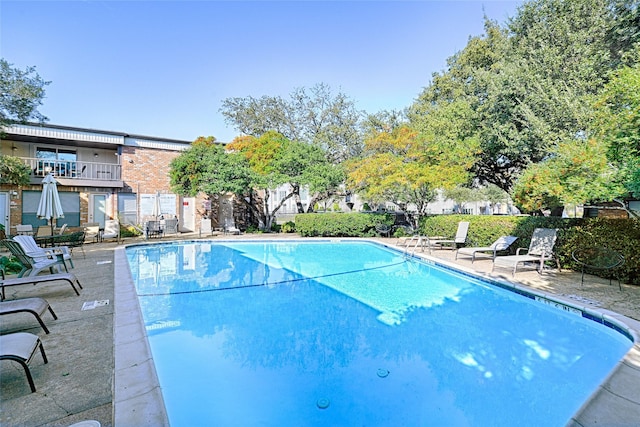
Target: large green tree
[530, 85]
[617, 124]
[315, 116]
[21, 93]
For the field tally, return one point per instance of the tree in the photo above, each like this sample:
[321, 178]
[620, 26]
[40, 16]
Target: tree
[14, 171]
[314, 116]
[405, 166]
[461, 195]
[207, 168]
[576, 174]
[277, 161]
[617, 123]
[530, 85]
[21, 93]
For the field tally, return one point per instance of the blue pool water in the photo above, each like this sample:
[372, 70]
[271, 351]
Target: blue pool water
[355, 334]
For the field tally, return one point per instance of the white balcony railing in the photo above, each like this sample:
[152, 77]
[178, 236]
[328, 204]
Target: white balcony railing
[74, 169]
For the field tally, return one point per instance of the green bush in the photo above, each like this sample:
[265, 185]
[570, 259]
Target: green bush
[129, 231]
[340, 224]
[289, 227]
[10, 265]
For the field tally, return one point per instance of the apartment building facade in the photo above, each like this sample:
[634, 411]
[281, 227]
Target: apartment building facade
[101, 175]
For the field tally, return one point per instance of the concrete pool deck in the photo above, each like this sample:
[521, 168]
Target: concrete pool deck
[77, 383]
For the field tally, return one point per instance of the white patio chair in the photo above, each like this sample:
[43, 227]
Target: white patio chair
[540, 250]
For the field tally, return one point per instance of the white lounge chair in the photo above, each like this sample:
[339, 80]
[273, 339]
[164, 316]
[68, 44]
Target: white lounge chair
[32, 265]
[21, 347]
[502, 244]
[540, 250]
[32, 249]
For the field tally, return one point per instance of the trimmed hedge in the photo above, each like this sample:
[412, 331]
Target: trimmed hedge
[621, 235]
[340, 224]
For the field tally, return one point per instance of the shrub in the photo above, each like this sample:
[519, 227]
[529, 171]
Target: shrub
[10, 265]
[340, 224]
[289, 227]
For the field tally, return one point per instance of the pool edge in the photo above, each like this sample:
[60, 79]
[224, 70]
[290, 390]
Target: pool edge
[137, 396]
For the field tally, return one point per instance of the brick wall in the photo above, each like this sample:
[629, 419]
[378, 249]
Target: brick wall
[146, 171]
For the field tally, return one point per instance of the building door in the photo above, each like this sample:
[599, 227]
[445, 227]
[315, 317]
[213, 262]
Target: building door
[4, 211]
[98, 208]
[188, 214]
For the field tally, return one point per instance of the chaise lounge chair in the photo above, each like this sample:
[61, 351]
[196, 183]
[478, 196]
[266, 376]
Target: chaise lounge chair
[21, 347]
[502, 244]
[32, 265]
[33, 280]
[32, 249]
[36, 306]
[419, 241]
[459, 239]
[540, 250]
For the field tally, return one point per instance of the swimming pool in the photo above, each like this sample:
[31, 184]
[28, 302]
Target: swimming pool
[271, 333]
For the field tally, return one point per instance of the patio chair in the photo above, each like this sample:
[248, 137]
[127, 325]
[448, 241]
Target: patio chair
[62, 229]
[171, 226]
[540, 250]
[21, 347]
[205, 227]
[36, 306]
[32, 265]
[442, 242]
[92, 231]
[32, 249]
[111, 230]
[70, 278]
[22, 229]
[383, 230]
[154, 229]
[71, 240]
[599, 258]
[502, 244]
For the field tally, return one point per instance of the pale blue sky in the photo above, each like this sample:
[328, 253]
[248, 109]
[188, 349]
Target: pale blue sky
[163, 68]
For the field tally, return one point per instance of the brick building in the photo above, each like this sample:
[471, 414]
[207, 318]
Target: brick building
[101, 175]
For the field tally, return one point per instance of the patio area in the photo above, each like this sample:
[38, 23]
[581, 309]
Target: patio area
[77, 383]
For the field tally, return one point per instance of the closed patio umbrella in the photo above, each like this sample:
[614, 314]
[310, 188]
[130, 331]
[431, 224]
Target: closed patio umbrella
[50, 207]
[157, 210]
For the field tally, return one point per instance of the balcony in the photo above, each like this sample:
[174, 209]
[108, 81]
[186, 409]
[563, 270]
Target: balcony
[76, 173]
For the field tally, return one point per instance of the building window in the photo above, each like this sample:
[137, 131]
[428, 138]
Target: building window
[70, 202]
[58, 161]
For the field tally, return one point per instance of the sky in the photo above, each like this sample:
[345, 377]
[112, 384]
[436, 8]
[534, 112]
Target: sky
[164, 68]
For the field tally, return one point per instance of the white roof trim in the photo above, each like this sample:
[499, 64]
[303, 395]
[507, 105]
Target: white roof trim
[158, 145]
[67, 134]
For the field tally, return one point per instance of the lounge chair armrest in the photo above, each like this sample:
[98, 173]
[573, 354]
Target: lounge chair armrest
[521, 249]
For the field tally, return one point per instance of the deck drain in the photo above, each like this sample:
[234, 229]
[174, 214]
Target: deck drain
[323, 403]
[383, 373]
[90, 305]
